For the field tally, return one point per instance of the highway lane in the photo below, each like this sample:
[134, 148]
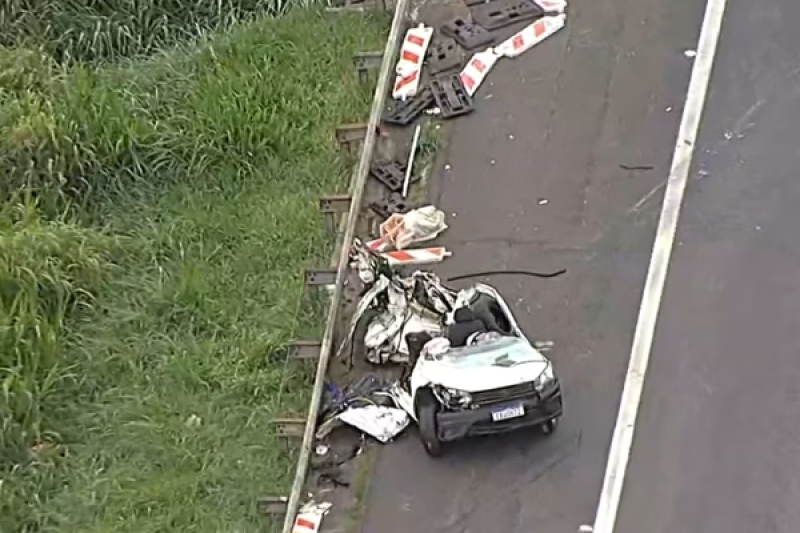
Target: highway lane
[555, 124]
[717, 447]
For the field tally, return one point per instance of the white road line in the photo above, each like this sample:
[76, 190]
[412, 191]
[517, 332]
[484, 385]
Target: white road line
[622, 439]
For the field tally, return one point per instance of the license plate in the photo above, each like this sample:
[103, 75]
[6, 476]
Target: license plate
[506, 413]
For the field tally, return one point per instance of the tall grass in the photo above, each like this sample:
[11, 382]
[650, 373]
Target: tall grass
[144, 334]
[81, 30]
[49, 271]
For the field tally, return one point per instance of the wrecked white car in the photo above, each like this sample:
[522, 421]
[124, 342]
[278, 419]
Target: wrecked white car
[472, 369]
[498, 382]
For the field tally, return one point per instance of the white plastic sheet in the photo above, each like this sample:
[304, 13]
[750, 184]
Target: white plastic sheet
[418, 225]
[383, 423]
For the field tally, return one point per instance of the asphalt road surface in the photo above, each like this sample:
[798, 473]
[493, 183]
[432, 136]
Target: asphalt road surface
[536, 181]
[717, 445]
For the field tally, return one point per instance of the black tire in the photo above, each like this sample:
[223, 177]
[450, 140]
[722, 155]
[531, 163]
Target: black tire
[426, 408]
[549, 427]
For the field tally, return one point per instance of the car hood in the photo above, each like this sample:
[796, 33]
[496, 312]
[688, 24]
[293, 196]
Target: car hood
[481, 374]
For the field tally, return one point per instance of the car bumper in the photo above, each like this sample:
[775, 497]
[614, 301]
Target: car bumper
[455, 425]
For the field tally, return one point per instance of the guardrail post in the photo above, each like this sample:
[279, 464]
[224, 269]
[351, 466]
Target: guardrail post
[304, 350]
[272, 505]
[366, 61]
[348, 135]
[289, 428]
[320, 277]
[335, 206]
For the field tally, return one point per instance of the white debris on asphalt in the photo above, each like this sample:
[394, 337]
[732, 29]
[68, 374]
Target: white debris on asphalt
[322, 449]
[586, 529]
[552, 6]
[310, 517]
[418, 225]
[690, 53]
[383, 423]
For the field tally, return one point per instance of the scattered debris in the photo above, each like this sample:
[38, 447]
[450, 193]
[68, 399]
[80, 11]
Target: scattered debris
[322, 450]
[637, 167]
[418, 225]
[690, 53]
[552, 7]
[409, 66]
[498, 14]
[443, 55]
[390, 174]
[383, 423]
[417, 256]
[509, 273]
[451, 96]
[531, 35]
[404, 113]
[310, 517]
[415, 320]
[586, 529]
[410, 165]
[462, 350]
[477, 68]
[544, 346]
[394, 204]
[467, 34]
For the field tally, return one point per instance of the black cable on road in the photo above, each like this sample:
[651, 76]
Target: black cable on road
[509, 273]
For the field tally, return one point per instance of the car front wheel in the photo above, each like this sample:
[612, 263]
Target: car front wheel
[550, 426]
[426, 418]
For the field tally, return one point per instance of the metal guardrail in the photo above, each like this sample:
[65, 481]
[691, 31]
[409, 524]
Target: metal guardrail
[357, 188]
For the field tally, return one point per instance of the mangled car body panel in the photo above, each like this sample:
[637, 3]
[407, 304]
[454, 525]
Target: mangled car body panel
[504, 362]
[489, 381]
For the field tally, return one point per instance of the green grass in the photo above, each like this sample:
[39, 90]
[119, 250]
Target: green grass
[80, 30]
[152, 274]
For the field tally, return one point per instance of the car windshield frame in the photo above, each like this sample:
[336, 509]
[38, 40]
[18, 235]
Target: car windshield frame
[500, 346]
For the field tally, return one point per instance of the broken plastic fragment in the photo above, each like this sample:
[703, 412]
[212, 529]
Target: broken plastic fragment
[552, 6]
[383, 423]
[310, 516]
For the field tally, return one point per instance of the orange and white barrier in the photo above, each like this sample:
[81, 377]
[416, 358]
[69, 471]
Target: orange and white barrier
[552, 6]
[477, 68]
[418, 256]
[376, 245]
[310, 517]
[409, 66]
[531, 35]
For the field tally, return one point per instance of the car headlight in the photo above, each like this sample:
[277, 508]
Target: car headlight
[545, 379]
[452, 397]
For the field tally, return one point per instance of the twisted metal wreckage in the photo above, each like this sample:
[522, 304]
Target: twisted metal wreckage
[468, 367]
